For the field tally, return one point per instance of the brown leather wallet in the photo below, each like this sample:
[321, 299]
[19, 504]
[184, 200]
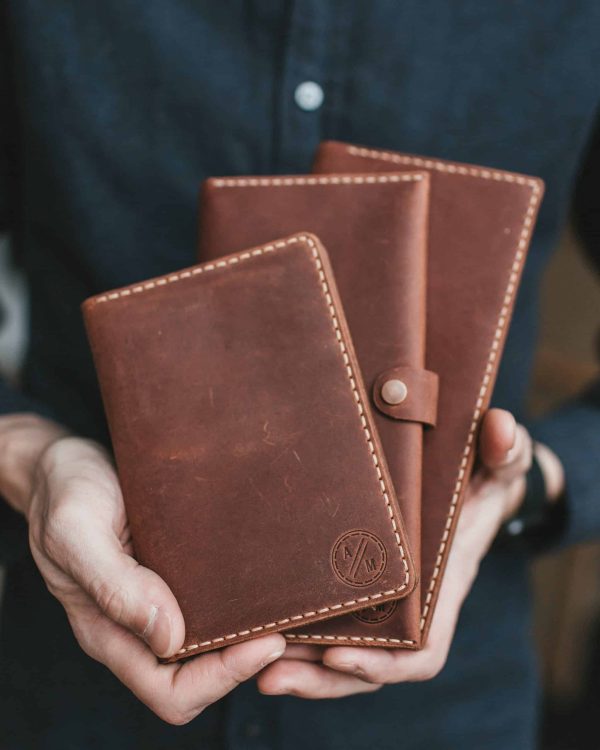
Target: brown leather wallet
[480, 224]
[253, 477]
[374, 228]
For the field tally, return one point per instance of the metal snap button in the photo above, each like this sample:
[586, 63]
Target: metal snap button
[394, 391]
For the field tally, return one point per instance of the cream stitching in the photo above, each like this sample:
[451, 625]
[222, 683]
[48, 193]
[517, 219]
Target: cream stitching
[171, 278]
[224, 182]
[353, 638]
[440, 166]
[486, 174]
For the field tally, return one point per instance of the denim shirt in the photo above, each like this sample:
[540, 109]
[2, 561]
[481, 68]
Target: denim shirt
[111, 115]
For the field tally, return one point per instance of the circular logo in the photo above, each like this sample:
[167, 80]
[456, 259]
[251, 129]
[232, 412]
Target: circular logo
[377, 613]
[358, 558]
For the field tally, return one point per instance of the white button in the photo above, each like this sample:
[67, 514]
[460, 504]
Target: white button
[309, 96]
[515, 527]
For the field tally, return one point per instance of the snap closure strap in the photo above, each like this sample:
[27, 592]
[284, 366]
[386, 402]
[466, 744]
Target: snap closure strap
[409, 394]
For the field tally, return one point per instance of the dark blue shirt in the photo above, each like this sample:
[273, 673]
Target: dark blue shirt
[111, 115]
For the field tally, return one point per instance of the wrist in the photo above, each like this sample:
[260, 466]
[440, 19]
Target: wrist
[23, 440]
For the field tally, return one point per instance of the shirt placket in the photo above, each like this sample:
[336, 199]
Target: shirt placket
[302, 96]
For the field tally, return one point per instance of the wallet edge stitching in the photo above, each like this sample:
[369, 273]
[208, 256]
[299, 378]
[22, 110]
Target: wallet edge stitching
[369, 179]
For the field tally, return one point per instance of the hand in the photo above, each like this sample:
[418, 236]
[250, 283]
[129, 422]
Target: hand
[122, 614]
[494, 494]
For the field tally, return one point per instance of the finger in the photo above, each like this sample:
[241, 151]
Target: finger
[306, 680]
[382, 666]
[386, 666]
[223, 670]
[553, 470]
[84, 545]
[175, 692]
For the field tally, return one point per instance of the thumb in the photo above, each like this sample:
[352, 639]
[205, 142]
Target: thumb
[79, 540]
[505, 447]
[75, 519]
[133, 596]
[497, 438]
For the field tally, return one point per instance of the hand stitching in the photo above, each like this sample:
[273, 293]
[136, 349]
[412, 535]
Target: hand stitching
[353, 638]
[368, 179]
[440, 166]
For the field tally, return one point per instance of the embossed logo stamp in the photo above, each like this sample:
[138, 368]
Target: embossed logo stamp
[376, 614]
[359, 558]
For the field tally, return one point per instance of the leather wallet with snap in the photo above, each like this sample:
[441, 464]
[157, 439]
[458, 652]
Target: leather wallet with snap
[252, 473]
[374, 228]
[480, 225]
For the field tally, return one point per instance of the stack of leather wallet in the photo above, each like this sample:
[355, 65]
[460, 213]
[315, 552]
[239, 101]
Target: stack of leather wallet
[294, 419]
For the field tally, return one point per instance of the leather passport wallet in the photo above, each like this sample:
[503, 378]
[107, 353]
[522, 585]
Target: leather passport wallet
[480, 224]
[252, 473]
[374, 228]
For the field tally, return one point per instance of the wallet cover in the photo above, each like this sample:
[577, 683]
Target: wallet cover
[374, 228]
[480, 224]
[252, 475]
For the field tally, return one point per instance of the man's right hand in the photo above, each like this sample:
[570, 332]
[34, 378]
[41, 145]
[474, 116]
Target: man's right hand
[122, 614]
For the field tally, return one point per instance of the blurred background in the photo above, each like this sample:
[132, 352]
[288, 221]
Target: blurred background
[566, 585]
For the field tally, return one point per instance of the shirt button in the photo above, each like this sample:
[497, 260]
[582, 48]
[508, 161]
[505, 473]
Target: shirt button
[515, 527]
[309, 96]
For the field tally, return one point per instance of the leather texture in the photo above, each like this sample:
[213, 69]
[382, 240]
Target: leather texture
[252, 473]
[481, 220]
[374, 228]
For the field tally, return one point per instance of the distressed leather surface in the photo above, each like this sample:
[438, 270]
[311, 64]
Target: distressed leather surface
[480, 224]
[252, 475]
[374, 228]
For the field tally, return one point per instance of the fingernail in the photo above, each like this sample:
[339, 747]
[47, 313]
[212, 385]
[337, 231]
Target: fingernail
[511, 452]
[147, 632]
[273, 656]
[158, 631]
